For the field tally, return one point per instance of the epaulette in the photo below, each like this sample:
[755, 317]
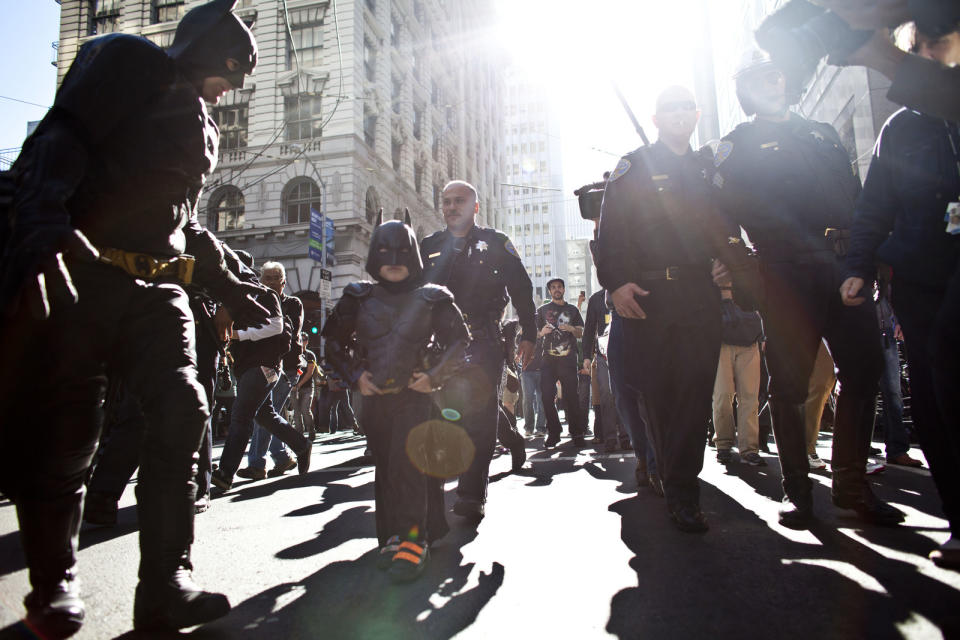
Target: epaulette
[358, 289]
[435, 293]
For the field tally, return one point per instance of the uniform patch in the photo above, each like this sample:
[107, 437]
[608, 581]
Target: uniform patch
[733, 240]
[723, 152]
[718, 181]
[622, 167]
[481, 245]
[434, 255]
[512, 250]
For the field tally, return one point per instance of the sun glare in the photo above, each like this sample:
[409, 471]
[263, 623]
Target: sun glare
[576, 51]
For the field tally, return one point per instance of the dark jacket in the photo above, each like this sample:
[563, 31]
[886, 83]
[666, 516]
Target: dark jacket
[900, 214]
[738, 327]
[480, 270]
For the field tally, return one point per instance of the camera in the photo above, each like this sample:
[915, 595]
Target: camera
[590, 197]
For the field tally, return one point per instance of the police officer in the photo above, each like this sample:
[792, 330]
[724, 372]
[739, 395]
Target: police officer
[914, 179]
[658, 233]
[788, 182]
[103, 226]
[480, 266]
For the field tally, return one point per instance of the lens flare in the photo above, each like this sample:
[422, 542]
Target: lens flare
[440, 449]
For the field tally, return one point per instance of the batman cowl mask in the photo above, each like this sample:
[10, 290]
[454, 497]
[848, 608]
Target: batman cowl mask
[206, 37]
[394, 242]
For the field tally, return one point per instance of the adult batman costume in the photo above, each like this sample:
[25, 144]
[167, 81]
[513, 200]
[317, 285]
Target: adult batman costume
[388, 333]
[100, 235]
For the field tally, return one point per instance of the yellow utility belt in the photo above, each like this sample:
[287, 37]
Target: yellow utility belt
[142, 265]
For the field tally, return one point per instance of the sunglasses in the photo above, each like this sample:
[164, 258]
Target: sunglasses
[683, 105]
[769, 77]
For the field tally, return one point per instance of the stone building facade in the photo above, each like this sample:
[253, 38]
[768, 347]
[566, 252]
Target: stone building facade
[355, 105]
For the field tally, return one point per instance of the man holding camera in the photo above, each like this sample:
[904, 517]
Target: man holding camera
[559, 326]
[658, 233]
[788, 182]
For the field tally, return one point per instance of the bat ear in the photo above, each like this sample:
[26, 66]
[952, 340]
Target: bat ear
[406, 217]
[380, 217]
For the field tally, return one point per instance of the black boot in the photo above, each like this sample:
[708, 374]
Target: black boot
[851, 491]
[796, 511]
[166, 597]
[48, 533]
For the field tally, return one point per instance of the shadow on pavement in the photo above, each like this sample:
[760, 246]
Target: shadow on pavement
[746, 579]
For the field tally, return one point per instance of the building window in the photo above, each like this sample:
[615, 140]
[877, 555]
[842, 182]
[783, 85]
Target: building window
[369, 128]
[547, 271]
[396, 85]
[539, 270]
[434, 93]
[371, 205]
[301, 196]
[546, 249]
[167, 10]
[225, 211]
[416, 64]
[418, 122]
[163, 39]
[435, 147]
[546, 227]
[417, 177]
[395, 149]
[418, 10]
[302, 115]
[437, 189]
[394, 32]
[539, 291]
[544, 210]
[369, 60]
[104, 16]
[306, 26]
[372, 5]
[233, 124]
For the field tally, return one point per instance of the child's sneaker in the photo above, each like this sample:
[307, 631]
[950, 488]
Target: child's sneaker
[387, 552]
[409, 561]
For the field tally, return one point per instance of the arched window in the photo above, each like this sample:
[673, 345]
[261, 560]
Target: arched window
[372, 205]
[225, 210]
[301, 196]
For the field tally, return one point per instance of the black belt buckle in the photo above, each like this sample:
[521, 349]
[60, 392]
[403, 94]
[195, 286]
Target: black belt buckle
[671, 273]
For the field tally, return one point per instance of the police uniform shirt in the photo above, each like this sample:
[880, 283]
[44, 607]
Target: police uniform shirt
[658, 212]
[913, 177]
[481, 269]
[786, 182]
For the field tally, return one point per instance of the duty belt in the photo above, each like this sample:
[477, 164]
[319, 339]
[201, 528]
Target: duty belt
[142, 265]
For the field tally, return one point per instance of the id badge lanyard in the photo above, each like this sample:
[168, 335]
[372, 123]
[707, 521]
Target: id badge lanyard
[952, 216]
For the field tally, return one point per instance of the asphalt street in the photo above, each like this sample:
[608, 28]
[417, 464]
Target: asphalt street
[569, 549]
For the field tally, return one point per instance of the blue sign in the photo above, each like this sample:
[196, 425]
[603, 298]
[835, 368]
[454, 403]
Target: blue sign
[321, 232]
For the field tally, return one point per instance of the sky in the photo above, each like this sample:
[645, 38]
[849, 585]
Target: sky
[27, 28]
[575, 49]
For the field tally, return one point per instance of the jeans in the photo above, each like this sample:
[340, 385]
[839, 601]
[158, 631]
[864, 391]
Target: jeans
[532, 402]
[254, 402]
[262, 441]
[897, 441]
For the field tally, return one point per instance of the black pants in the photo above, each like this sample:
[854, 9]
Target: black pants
[802, 306]
[119, 454]
[673, 364]
[409, 503]
[472, 400]
[564, 370]
[917, 309]
[145, 332]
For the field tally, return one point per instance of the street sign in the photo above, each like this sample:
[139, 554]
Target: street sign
[326, 284]
[322, 232]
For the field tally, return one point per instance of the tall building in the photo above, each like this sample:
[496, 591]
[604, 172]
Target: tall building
[533, 182]
[355, 105]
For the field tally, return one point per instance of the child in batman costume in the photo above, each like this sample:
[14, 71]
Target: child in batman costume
[397, 340]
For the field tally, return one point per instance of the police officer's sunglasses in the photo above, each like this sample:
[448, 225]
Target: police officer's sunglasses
[682, 105]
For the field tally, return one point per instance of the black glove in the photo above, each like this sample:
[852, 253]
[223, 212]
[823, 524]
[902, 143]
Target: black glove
[240, 301]
[34, 270]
